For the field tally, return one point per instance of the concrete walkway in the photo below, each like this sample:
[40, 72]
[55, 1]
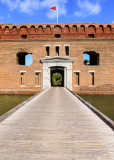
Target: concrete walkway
[55, 125]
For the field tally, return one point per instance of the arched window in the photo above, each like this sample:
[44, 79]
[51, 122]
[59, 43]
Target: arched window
[57, 31]
[40, 29]
[23, 32]
[66, 29]
[23, 29]
[14, 30]
[100, 29]
[91, 29]
[108, 29]
[91, 58]
[57, 28]
[74, 29]
[48, 29]
[82, 29]
[1, 30]
[32, 29]
[7, 30]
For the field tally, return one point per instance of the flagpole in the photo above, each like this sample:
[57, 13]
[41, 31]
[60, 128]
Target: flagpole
[57, 14]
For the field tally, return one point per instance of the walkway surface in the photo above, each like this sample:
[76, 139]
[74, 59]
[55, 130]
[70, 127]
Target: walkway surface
[55, 125]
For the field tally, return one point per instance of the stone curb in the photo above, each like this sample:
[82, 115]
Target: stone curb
[10, 112]
[107, 120]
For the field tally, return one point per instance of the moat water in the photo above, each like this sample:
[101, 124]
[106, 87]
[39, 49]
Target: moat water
[8, 102]
[104, 103]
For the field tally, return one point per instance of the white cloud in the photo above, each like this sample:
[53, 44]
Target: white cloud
[11, 4]
[29, 6]
[25, 6]
[112, 22]
[88, 7]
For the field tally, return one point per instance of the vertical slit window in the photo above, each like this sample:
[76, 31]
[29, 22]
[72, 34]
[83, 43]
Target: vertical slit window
[91, 78]
[77, 79]
[57, 51]
[92, 75]
[67, 50]
[37, 78]
[47, 51]
[22, 78]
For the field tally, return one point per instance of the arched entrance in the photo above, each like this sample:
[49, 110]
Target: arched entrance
[60, 65]
[57, 76]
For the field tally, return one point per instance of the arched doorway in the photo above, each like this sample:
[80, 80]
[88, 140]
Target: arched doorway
[57, 76]
[57, 63]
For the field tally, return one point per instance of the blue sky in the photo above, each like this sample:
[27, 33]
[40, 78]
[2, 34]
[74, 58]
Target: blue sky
[38, 11]
[28, 60]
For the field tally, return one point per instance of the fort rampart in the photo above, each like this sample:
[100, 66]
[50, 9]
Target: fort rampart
[57, 31]
[71, 41]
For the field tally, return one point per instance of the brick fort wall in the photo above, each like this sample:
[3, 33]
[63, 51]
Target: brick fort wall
[95, 39]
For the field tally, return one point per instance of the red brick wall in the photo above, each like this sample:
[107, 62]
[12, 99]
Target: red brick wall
[75, 30]
[10, 76]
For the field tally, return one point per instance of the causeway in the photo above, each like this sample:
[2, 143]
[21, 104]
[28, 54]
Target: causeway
[55, 125]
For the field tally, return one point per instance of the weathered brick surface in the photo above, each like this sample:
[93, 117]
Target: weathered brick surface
[38, 37]
[75, 30]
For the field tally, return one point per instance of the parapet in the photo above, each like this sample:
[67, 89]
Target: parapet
[44, 31]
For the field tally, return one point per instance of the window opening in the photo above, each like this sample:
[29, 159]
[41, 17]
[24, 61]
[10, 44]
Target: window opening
[91, 35]
[57, 36]
[24, 58]
[24, 36]
[77, 78]
[91, 78]
[47, 50]
[91, 58]
[22, 78]
[57, 51]
[37, 78]
[67, 50]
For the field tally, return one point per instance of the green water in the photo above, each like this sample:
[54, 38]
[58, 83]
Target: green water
[8, 102]
[104, 103]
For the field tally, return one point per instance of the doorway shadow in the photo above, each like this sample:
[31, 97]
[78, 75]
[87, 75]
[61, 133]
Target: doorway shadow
[57, 76]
